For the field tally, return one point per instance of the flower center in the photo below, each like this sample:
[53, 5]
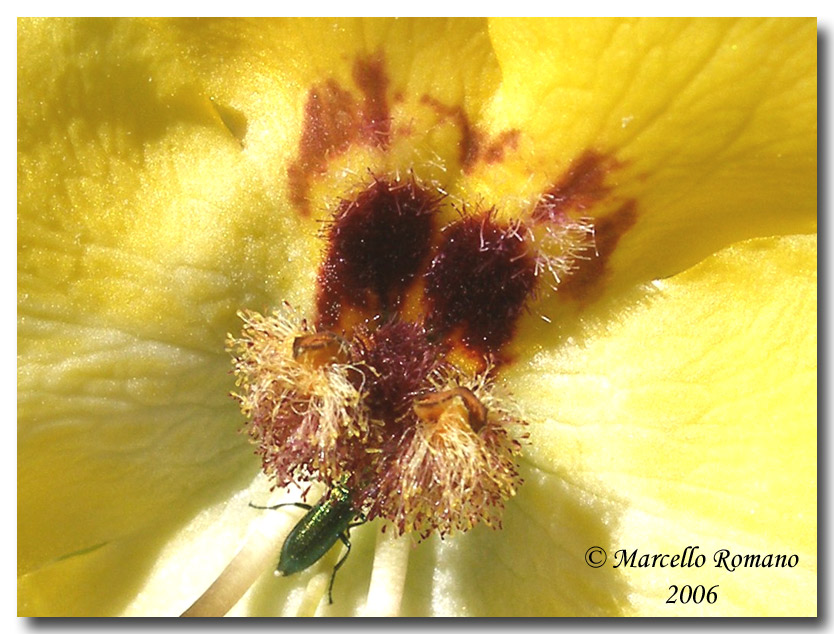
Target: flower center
[391, 390]
[394, 393]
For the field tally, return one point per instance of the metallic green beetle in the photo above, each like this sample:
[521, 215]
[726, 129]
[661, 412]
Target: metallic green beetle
[325, 523]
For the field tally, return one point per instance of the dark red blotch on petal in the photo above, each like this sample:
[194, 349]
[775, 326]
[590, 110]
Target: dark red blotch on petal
[479, 281]
[334, 119]
[579, 188]
[372, 80]
[592, 264]
[377, 243]
[474, 144]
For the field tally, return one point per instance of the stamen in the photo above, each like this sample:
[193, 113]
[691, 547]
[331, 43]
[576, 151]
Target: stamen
[385, 591]
[300, 394]
[320, 349]
[455, 464]
[431, 408]
[261, 549]
[314, 599]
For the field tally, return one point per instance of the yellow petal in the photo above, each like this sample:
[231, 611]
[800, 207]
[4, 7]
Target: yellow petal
[688, 419]
[712, 123]
[154, 205]
[154, 202]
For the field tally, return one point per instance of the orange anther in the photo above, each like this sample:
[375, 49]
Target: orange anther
[321, 348]
[432, 406]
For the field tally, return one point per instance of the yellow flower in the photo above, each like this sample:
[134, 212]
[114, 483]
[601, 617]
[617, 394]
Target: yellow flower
[171, 173]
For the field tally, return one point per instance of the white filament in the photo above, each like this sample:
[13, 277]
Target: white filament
[385, 591]
[263, 544]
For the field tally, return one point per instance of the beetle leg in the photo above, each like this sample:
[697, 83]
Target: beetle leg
[346, 541]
